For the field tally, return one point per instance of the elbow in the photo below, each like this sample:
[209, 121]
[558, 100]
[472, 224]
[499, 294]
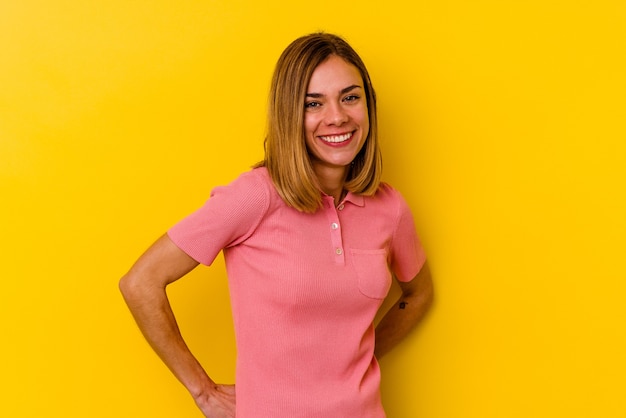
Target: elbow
[129, 287]
[427, 292]
[423, 293]
[429, 295]
[125, 286]
[137, 288]
[426, 288]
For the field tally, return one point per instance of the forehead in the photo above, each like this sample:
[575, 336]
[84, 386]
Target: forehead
[335, 72]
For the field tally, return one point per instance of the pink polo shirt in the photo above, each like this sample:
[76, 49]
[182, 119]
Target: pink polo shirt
[304, 290]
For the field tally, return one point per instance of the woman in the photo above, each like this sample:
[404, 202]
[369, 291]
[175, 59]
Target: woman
[311, 240]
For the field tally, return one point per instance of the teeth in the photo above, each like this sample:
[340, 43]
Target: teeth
[337, 138]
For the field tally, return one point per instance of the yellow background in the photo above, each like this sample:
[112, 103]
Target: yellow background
[503, 123]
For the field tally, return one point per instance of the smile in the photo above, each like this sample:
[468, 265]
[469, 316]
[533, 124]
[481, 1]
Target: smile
[335, 139]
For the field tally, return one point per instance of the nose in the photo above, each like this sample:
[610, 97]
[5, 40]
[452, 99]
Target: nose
[336, 114]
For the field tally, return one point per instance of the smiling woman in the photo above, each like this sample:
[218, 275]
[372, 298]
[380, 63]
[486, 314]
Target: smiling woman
[299, 83]
[311, 240]
[336, 122]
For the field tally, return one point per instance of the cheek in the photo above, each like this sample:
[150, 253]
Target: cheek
[364, 121]
[309, 132]
[309, 125]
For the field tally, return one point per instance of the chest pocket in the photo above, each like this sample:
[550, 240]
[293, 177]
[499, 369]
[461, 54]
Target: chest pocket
[374, 278]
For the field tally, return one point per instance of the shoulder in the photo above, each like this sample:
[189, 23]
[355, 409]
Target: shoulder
[252, 178]
[387, 190]
[252, 190]
[253, 182]
[391, 201]
[388, 195]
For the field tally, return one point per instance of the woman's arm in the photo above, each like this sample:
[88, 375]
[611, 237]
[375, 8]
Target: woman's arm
[144, 289]
[416, 298]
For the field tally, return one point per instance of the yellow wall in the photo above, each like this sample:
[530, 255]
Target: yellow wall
[502, 123]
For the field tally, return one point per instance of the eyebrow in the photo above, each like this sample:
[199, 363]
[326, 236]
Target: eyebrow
[343, 91]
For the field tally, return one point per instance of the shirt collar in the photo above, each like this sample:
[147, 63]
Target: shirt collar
[356, 199]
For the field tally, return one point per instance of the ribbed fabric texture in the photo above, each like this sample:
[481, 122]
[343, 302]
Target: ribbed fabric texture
[305, 289]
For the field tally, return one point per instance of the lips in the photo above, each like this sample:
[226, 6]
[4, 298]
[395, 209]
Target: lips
[336, 139]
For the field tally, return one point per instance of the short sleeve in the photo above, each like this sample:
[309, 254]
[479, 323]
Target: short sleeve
[228, 217]
[407, 253]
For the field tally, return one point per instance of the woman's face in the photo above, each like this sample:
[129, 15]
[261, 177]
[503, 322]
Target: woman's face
[336, 122]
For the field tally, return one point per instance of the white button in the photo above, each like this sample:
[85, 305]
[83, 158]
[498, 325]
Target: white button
[340, 207]
[334, 225]
[339, 251]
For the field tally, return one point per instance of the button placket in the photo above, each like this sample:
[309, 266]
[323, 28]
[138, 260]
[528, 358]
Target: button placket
[335, 233]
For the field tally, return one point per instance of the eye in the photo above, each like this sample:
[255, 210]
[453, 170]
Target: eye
[312, 105]
[351, 98]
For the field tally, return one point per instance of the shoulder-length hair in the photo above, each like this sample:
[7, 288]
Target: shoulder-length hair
[286, 157]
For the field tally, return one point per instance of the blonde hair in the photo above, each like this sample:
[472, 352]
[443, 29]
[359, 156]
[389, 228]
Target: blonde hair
[286, 156]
